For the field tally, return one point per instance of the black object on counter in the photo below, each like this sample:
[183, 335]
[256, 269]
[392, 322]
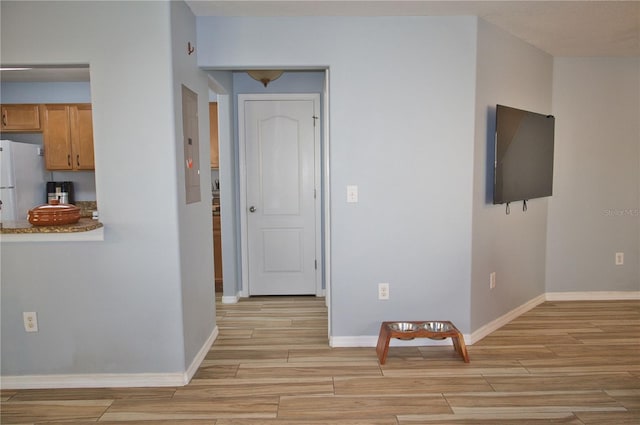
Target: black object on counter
[61, 191]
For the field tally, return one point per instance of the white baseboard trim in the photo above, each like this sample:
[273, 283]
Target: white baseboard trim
[353, 341]
[496, 324]
[229, 299]
[197, 360]
[92, 380]
[372, 341]
[112, 380]
[593, 296]
[483, 331]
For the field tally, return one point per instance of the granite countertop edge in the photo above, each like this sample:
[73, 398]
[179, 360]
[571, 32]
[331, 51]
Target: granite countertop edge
[23, 226]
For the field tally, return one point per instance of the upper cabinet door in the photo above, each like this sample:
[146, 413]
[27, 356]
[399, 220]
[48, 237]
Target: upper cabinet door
[82, 137]
[21, 118]
[57, 137]
[68, 137]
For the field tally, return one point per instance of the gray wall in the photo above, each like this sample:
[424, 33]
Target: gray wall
[115, 306]
[595, 208]
[510, 72]
[410, 151]
[45, 92]
[194, 220]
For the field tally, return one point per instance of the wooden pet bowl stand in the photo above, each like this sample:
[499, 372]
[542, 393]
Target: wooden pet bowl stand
[419, 329]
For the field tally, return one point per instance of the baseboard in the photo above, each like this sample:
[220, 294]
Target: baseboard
[92, 380]
[549, 296]
[592, 296]
[112, 380]
[226, 299]
[372, 341]
[496, 324]
[197, 360]
[352, 341]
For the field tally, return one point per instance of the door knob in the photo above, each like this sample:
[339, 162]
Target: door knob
[252, 209]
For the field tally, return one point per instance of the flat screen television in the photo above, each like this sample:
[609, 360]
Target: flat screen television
[523, 166]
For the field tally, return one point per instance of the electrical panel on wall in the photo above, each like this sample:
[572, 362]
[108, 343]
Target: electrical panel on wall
[191, 145]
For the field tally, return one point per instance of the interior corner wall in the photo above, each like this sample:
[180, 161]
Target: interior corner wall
[595, 208]
[513, 73]
[195, 223]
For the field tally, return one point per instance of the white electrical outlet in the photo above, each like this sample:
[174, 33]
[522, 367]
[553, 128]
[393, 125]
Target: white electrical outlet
[492, 280]
[352, 193]
[619, 258]
[30, 321]
[383, 291]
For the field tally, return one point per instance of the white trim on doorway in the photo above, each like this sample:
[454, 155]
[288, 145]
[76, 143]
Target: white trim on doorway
[242, 167]
[326, 198]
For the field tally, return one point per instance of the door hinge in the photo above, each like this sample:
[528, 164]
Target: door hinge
[315, 264]
[314, 193]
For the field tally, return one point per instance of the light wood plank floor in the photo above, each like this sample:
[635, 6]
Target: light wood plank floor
[560, 363]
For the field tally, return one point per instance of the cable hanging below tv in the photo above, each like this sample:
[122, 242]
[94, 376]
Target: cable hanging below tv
[523, 163]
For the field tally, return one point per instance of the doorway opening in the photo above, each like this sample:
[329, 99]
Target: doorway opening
[236, 83]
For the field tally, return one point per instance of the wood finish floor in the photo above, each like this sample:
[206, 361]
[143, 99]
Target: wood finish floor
[560, 363]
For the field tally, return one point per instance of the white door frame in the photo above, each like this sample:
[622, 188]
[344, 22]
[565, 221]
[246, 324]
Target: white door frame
[326, 199]
[315, 97]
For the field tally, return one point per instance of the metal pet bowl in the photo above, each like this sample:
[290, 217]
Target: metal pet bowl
[404, 327]
[436, 327]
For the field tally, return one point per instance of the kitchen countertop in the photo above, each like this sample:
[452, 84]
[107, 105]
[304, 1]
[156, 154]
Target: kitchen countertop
[23, 226]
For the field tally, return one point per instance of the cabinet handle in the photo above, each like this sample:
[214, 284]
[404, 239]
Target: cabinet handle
[69, 160]
[78, 159]
[4, 119]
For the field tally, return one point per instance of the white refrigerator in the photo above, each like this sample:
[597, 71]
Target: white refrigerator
[22, 179]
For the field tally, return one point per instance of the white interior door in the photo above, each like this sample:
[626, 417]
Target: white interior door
[280, 138]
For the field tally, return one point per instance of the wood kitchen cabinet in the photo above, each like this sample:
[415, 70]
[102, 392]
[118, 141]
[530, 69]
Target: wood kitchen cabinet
[213, 134]
[21, 118]
[217, 253]
[68, 136]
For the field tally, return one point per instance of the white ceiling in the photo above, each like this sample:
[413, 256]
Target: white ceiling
[560, 28]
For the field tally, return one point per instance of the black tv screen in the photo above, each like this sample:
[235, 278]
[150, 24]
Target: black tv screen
[523, 155]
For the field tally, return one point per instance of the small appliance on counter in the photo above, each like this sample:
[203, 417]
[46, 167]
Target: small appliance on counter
[60, 191]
